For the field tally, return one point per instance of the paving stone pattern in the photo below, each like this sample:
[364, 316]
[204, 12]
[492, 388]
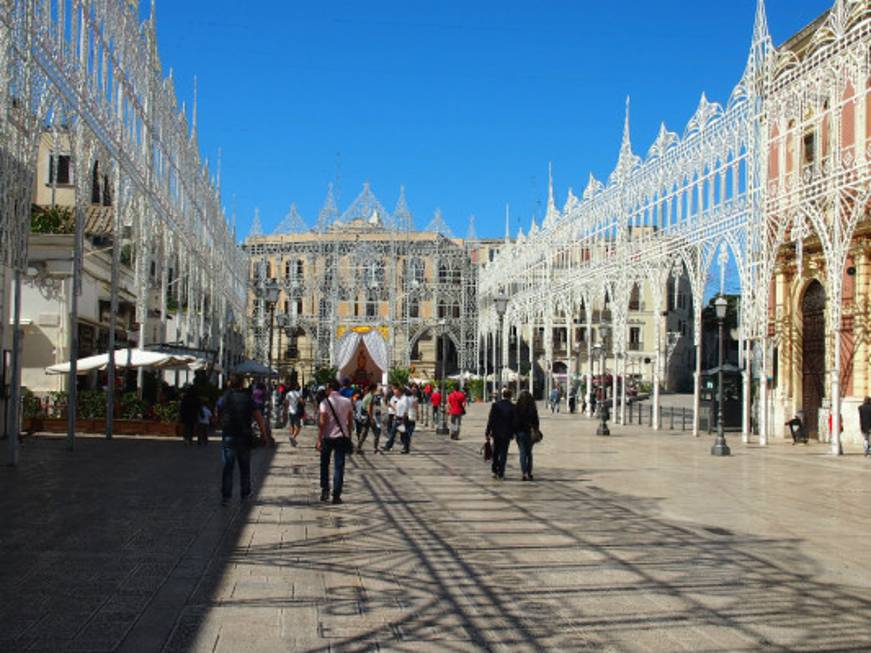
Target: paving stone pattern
[638, 542]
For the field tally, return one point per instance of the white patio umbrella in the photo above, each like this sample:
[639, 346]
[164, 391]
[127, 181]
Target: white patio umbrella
[124, 358]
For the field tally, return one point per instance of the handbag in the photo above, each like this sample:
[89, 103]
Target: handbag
[346, 443]
[487, 450]
[536, 436]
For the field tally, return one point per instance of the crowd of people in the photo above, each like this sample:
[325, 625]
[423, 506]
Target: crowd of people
[345, 415]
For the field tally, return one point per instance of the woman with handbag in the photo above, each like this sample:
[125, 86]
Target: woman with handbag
[527, 431]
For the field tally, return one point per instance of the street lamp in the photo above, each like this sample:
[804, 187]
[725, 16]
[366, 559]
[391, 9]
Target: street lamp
[500, 303]
[281, 322]
[270, 295]
[443, 422]
[604, 411]
[720, 447]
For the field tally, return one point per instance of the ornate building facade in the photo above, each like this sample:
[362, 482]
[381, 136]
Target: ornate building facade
[774, 182]
[363, 291]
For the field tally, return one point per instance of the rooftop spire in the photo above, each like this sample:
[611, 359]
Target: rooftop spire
[402, 217]
[507, 226]
[293, 223]
[256, 227]
[194, 112]
[471, 232]
[329, 213]
[439, 226]
[627, 160]
[552, 214]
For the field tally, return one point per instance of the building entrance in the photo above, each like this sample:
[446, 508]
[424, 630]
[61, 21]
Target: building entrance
[813, 354]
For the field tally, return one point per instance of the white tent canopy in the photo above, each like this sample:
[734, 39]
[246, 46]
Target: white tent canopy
[125, 358]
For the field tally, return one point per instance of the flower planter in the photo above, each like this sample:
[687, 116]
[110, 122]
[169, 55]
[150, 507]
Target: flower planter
[120, 426]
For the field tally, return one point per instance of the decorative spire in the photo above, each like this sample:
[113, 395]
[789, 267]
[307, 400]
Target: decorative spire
[363, 206]
[552, 214]
[292, 223]
[533, 228]
[520, 236]
[471, 232]
[571, 201]
[402, 217]
[218, 176]
[194, 113]
[593, 187]
[329, 213]
[507, 226]
[439, 226]
[627, 161]
[256, 227]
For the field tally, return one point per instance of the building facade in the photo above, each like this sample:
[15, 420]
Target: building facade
[363, 292]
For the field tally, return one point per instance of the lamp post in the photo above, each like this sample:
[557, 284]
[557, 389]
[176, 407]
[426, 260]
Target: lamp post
[720, 447]
[281, 322]
[443, 422]
[500, 303]
[270, 294]
[604, 411]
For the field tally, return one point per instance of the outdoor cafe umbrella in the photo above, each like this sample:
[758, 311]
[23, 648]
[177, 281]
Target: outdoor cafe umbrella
[125, 358]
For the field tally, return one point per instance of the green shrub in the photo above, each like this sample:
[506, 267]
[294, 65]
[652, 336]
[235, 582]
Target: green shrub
[399, 376]
[476, 389]
[56, 220]
[32, 406]
[132, 407]
[91, 404]
[324, 375]
[58, 401]
[167, 412]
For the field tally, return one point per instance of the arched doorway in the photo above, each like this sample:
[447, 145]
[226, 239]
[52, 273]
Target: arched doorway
[813, 353]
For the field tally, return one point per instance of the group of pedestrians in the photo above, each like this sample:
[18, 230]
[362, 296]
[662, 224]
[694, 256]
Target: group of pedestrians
[512, 421]
[344, 413]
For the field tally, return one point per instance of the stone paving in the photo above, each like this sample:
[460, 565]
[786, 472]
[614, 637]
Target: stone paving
[637, 542]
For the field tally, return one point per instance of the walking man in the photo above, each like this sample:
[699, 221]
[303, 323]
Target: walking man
[336, 420]
[456, 410]
[501, 426]
[293, 401]
[393, 409]
[236, 411]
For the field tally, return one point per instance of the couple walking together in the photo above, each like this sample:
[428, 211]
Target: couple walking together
[508, 421]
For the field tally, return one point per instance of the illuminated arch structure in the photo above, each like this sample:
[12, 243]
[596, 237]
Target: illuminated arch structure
[775, 181]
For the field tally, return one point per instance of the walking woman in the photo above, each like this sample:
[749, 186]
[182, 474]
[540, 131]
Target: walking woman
[526, 415]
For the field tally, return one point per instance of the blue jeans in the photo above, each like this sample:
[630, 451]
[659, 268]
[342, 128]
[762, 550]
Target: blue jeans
[233, 453]
[329, 447]
[524, 445]
[406, 437]
[392, 426]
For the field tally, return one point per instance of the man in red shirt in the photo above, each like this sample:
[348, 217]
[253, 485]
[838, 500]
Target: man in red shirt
[456, 409]
[436, 400]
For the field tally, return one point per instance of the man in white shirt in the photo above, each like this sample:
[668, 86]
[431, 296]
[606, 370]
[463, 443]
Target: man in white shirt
[293, 401]
[336, 421]
[394, 418]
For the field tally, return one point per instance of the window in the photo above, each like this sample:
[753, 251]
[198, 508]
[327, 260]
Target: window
[809, 147]
[59, 169]
[634, 338]
[100, 187]
[415, 351]
[455, 311]
[299, 307]
[635, 299]
[414, 308]
[371, 306]
[581, 334]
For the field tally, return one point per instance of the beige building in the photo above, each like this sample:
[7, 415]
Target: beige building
[364, 292]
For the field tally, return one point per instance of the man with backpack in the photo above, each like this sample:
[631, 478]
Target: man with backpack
[236, 411]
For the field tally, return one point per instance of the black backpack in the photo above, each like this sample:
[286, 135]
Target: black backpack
[237, 411]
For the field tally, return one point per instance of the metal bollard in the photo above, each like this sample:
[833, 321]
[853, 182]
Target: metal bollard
[683, 419]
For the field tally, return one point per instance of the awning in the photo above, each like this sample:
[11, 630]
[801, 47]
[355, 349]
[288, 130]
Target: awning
[125, 358]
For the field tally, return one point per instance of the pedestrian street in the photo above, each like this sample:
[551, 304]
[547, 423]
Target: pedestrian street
[637, 542]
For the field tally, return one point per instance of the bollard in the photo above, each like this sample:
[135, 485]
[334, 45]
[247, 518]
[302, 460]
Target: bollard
[683, 419]
[671, 418]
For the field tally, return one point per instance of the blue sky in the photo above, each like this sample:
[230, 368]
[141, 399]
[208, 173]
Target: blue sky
[464, 103]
